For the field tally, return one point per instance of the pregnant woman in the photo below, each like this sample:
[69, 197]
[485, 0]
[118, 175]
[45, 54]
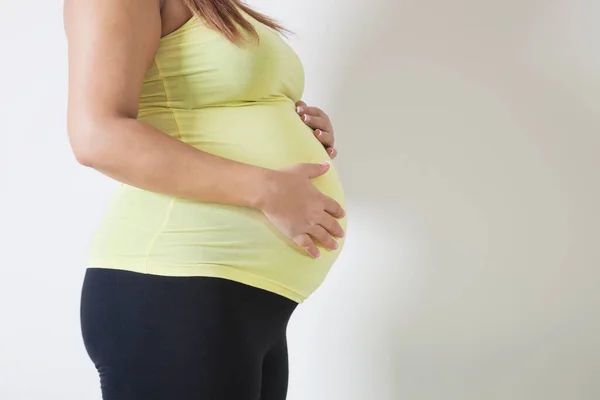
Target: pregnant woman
[228, 213]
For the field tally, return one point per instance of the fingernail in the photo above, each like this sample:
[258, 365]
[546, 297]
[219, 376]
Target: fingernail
[330, 150]
[299, 109]
[305, 117]
[326, 163]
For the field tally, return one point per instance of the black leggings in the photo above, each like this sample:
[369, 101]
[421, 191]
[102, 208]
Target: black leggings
[184, 338]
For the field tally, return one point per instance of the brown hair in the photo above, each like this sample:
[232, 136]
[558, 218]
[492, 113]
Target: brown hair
[225, 16]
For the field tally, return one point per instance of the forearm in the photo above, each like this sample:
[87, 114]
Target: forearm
[135, 153]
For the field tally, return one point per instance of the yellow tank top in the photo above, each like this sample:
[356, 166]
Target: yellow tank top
[237, 102]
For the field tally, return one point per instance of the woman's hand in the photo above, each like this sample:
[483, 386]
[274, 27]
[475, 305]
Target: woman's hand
[301, 212]
[320, 123]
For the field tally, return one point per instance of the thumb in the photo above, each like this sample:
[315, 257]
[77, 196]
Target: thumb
[315, 170]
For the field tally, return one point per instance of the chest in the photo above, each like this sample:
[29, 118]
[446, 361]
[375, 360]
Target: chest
[199, 67]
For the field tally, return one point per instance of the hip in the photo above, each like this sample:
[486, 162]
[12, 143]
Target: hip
[150, 336]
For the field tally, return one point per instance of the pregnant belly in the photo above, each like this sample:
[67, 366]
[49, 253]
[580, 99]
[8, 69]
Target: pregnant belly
[271, 135]
[154, 233]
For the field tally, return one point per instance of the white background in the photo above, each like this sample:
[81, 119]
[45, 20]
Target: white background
[468, 134]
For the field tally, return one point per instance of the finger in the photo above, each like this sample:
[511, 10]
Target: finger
[300, 104]
[332, 152]
[317, 122]
[332, 226]
[306, 243]
[334, 208]
[325, 137]
[320, 234]
[311, 170]
[317, 112]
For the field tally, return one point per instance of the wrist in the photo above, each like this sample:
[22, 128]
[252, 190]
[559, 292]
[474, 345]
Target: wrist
[260, 186]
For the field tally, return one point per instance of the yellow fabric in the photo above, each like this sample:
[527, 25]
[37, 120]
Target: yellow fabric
[234, 102]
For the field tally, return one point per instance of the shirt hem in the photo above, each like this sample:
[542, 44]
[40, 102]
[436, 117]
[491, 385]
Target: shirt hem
[214, 272]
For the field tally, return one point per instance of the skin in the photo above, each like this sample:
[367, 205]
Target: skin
[111, 44]
[321, 123]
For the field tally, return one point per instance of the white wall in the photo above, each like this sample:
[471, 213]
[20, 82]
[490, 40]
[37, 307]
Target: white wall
[472, 256]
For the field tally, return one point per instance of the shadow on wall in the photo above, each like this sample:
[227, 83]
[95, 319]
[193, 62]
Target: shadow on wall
[468, 137]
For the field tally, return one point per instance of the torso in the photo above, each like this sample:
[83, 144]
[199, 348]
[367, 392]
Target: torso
[237, 103]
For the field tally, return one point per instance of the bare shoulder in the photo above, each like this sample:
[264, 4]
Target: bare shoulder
[111, 43]
[77, 11]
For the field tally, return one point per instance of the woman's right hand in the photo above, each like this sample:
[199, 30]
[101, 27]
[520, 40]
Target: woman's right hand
[301, 212]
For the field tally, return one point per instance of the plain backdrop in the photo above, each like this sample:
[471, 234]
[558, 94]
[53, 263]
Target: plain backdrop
[468, 134]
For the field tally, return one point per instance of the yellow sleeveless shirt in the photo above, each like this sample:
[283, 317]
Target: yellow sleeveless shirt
[237, 102]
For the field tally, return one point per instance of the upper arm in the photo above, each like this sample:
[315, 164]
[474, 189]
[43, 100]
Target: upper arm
[111, 43]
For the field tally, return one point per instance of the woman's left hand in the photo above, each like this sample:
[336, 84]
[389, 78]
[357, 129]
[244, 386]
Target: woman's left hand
[320, 123]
